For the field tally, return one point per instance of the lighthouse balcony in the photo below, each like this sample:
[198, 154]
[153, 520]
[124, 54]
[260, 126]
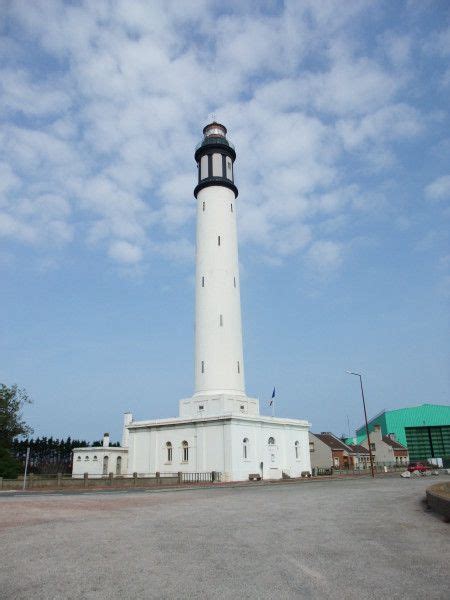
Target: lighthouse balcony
[214, 140]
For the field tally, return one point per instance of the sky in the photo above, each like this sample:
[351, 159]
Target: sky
[339, 112]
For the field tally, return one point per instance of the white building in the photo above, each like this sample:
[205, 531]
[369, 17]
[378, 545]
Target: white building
[219, 428]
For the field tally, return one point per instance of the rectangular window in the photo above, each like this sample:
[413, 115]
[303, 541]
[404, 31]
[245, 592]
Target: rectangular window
[203, 282]
[238, 367]
[204, 167]
[229, 170]
[204, 204]
[231, 206]
[234, 281]
[217, 165]
[221, 320]
[218, 240]
[372, 447]
[311, 446]
[203, 366]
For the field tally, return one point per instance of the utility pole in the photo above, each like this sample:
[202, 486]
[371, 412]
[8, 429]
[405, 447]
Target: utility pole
[26, 468]
[365, 418]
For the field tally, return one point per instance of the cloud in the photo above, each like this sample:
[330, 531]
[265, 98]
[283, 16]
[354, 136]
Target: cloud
[106, 111]
[439, 189]
[125, 253]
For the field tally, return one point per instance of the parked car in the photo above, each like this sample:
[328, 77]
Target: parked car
[417, 466]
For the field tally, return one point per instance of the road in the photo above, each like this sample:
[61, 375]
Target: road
[333, 539]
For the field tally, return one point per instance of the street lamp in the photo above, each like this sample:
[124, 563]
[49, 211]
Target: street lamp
[365, 417]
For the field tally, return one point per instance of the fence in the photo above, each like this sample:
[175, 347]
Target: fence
[377, 467]
[209, 476]
[60, 481]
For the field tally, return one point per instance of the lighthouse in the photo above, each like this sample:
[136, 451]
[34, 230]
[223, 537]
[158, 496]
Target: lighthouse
[219, 433]
[219, 362]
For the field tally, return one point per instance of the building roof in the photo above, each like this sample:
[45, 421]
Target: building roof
[332, 441]
[396, 445]
[358, 449]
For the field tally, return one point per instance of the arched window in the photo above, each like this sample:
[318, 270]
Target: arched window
[119, 465]
[95, 458]
[185, 447]
[169, 451]
[271, 441]
[78, 457]
[297, 450]
[105, 465]
[86, 457]
[245, 448]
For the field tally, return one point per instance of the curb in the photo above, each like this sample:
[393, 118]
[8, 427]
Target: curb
[438, 499]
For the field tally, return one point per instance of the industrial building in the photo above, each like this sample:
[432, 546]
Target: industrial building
[424, 429]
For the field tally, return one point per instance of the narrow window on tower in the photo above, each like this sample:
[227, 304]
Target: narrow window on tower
[238, 367]
[203, 282]
[203, 366]
[204, 163]
[203, 206]
[218, 240]
[231, 206]
[234, 281]
[221, 320]
[229, 170]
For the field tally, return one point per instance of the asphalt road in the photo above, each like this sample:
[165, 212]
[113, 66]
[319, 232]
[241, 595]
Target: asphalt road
[335, 539]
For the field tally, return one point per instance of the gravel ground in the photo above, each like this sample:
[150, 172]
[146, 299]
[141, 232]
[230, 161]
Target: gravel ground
[335, 539]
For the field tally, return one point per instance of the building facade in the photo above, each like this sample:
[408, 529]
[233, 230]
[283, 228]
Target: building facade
[100, 461]
[385, 450]
[219, 428]
[328, 451]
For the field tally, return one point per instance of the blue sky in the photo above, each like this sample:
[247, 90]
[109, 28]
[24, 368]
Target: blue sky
[339, 114]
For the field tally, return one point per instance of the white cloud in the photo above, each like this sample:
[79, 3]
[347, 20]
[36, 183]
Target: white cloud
[125, 253]
[439, 189]
[110, 127]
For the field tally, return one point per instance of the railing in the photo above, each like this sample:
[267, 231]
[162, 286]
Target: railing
[209, 476]
[214, 140]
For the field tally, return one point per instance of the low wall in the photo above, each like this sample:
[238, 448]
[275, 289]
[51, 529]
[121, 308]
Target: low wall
[60, 482]
[438, 499]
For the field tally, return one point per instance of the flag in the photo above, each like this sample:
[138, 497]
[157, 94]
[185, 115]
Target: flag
[273, 396]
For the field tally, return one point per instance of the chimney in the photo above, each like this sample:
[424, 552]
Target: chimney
[106, 440]
[127, 418]
[377, 427]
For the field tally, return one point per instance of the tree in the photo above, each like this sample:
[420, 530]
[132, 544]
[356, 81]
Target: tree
[12, 425]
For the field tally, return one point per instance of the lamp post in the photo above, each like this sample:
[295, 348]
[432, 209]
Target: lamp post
[365, 417]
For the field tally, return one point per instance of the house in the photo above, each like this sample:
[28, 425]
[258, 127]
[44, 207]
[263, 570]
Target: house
[328, 451]
[385, 449]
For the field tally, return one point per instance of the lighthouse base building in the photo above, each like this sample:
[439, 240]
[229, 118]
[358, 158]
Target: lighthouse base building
[224, 434]
[219, 428]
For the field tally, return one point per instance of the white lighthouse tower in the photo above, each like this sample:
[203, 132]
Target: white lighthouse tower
[219, 360]
[219, 363]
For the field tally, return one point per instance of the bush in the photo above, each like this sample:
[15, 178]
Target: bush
[9, 467]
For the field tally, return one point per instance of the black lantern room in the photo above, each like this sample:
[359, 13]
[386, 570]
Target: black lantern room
[215, 158]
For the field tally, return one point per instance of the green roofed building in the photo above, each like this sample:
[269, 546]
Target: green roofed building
[424, 429]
